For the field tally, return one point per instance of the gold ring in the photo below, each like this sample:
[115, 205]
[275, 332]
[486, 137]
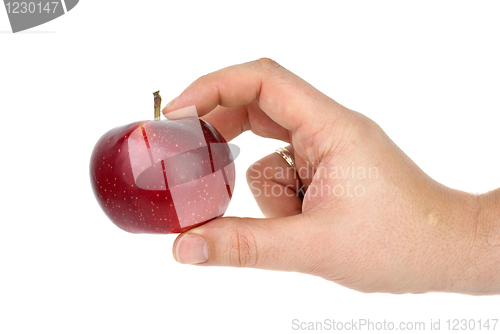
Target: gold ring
[285, 154]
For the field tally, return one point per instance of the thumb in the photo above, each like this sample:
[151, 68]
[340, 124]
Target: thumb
[276, 243]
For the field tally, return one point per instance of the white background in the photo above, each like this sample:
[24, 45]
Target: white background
[427, 71]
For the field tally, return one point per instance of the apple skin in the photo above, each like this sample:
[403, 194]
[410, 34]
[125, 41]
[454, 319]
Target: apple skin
[163, 176]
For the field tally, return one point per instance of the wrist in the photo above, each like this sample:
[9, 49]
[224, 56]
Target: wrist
[479, 272]
[488, 243]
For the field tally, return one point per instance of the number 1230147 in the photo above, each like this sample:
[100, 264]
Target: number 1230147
[31, 7]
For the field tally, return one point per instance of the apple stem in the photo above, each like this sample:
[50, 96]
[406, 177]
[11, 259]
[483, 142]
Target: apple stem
[157, 105]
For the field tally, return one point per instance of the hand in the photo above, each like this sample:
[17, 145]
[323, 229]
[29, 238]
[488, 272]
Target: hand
[370, 220]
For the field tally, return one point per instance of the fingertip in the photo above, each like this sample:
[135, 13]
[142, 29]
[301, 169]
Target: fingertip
[169, 107]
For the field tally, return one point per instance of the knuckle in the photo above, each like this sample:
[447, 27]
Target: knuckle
[268, 64]
[242, 250]
[202, 79]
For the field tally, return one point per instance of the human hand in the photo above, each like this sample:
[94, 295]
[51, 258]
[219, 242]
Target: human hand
[371, 219]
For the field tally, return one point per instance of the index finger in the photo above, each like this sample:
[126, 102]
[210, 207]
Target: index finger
[284, 97]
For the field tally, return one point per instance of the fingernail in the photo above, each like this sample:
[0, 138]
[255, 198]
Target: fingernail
[192, 249]
[171, 103]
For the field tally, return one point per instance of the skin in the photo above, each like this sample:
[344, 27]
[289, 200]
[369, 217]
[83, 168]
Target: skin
[386, 227]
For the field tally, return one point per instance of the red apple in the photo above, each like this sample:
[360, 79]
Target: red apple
[162, 176]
